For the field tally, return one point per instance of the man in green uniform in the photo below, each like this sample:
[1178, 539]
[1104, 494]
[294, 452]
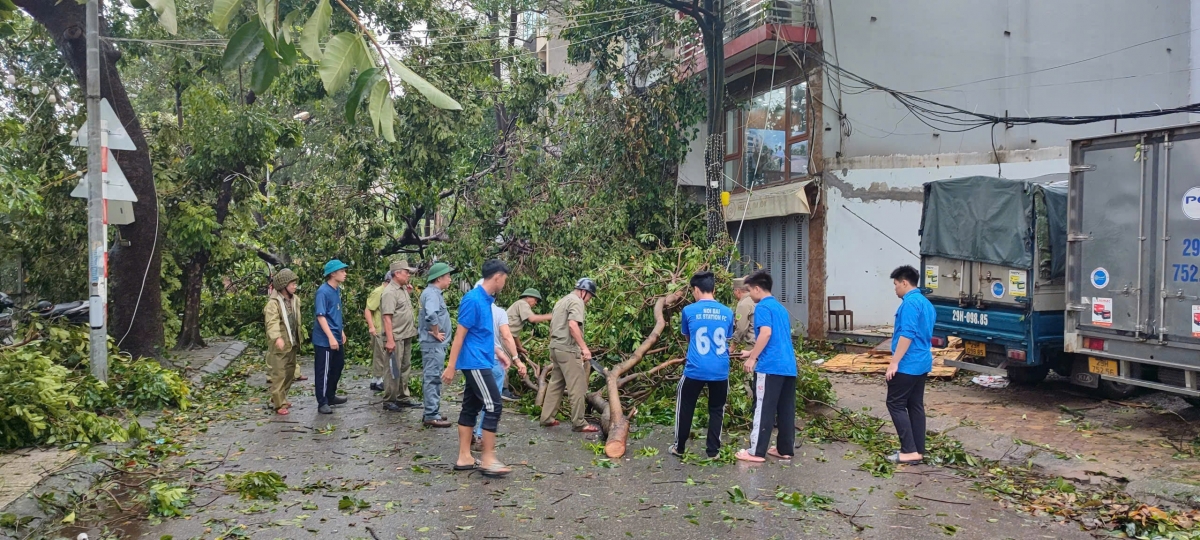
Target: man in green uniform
[743, 314]
[520, 313]
[375, 327]
[282, 316]
[570, 357]
[399, 326]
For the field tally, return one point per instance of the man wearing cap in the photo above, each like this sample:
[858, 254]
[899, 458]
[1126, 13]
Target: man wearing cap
[569, 355]
[282, 315]
[521, 312]
[399, 328]
[375, 327]
[328, 337]
[743, 327]
[433, 333]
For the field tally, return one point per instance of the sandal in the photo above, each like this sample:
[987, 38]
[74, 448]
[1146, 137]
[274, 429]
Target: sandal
[302, 378]
[495, 470]
[773, 452]
[551, 423]
[745, 455]
[586, 429]
[470, 467]
[282, 411]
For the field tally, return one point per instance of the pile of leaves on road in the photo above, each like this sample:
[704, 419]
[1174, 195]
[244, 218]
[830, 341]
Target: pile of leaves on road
[48, 395]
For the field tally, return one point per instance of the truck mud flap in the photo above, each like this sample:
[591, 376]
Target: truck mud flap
[1081, 376]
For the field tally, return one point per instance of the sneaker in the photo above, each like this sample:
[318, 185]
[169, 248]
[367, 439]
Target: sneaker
[409, 404]
[507, 397]
[390, 406]
[376, 387]
[675, 451]
[325, 409]
[337, 400]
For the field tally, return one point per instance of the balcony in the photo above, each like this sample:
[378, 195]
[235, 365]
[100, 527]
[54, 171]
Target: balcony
[754, 27]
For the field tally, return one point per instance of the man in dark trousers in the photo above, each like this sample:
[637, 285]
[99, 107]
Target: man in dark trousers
[911, 363]
[328, 338]
[773, 363]
[473, 351]
[708, 325]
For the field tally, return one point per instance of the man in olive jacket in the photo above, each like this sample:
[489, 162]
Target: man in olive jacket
[284, 335]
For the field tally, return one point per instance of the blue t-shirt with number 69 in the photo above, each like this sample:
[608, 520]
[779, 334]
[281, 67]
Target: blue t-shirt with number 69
[708, 325]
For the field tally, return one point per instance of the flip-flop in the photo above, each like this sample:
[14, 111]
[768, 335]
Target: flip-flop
[495, 470]
[282, 411]
[586, 429]
[895, 458]
[470, 467]
[745, 455]
[301, 378]
[775, 454]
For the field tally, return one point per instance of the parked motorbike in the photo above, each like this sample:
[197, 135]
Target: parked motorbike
[73, 312]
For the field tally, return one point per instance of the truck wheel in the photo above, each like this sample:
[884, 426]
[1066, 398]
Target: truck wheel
[1027, 375]
[1115, 390]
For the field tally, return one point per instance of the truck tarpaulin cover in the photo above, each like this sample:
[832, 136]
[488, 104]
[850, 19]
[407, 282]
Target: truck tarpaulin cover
[992, 220]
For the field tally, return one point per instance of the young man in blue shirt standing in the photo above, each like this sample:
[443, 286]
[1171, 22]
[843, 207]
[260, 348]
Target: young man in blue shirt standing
[473, 352]
[911, 363]
[708, 324]
[328, 338]
[773, 363]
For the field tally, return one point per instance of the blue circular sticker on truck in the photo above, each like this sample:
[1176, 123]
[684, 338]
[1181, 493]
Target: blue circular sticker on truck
[998, 289]
[1100, 278]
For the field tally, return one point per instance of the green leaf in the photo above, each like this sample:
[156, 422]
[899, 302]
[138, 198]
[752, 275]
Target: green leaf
[342, 54]
[267, 11]
[314, 29]
[223, 12]
[289, 23]
[364, 81]
[286, 52]
[166, 15]
[367, 60]
[266, 68]
[244, 44]
[137, 4]
[379, 94]
[438, 98]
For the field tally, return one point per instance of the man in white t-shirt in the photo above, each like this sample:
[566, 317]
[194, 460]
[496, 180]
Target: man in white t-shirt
[506, 347]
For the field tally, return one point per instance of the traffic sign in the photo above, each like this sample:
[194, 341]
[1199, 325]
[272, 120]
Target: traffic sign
[118, 138]
[116, 186]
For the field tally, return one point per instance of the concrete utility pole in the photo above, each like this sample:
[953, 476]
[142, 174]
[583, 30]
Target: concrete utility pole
[97, 231]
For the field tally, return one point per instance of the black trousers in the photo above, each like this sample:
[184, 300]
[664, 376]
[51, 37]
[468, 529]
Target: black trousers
[483, 394]
[686, 396]
[774, 404]
[906, 404]
[327, 368]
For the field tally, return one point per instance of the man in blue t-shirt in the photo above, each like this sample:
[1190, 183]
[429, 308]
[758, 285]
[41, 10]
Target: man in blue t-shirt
[911, 363]
[708, 324]
[328, 339]
[773, 363]
[473, 352]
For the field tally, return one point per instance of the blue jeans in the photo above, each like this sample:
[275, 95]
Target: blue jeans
[498, 372]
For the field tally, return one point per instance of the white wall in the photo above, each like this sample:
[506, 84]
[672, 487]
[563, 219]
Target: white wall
[859, 258]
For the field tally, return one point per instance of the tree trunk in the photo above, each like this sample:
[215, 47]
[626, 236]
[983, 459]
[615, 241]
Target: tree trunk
[134, 270]
[193, 271]
[193, 279]
[613, 419]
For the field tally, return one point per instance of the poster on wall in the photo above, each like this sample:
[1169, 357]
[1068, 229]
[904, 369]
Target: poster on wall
[1016, 283]
[931, 276]
[1102, 311]
[1195, 321]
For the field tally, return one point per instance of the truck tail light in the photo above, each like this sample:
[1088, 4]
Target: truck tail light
[939, 342]
[1016, 354]
[1095, 344]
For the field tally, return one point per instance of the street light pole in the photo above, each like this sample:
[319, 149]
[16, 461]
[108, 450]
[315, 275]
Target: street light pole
[97, 233]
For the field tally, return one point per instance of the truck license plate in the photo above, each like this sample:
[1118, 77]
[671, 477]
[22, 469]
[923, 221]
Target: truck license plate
[1103, 367]
[975, 348]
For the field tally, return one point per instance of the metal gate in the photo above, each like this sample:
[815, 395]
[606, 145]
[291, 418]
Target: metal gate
[779, 246]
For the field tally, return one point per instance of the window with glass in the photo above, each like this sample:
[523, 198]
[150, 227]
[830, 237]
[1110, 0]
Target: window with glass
[766, 138]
